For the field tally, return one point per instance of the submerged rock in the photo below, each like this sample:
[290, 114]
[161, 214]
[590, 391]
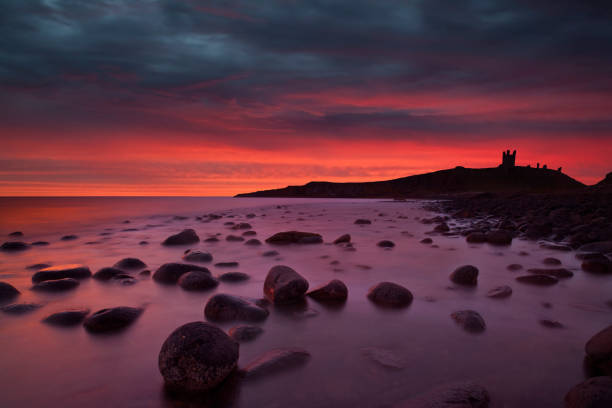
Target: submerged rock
[465, 275]
[459, 395]
[197, 357]
[362, 221]
[294, 237]
[540, 280]
[599, 350]
[56, 285]
[470, 320]
[253, 242]
[185, 237]
[20, 308]
[39, 243]
[197, 256]
[38, 266]
[270, 253]
[197, 280]
[426, 241]
[390, 294]
[7, 292]
[61, 272]
[227, 264]
[499, 237]
[234, 238]
[476, 238]
[224, 308]
[343, 239]
[386, 244]
[551, 261]
[601, 247]
[16, 234]
[284, 285]
[111, 320]
[234, 277]
[67, 318]
[384, 357]
[514, 267]
[170, 273]
[500, 292]
[552, 324]
[557, 272]
[130, 264]
[245, 333]
[275, 361]
[595, 392]
[108, 273]
[14, 246]
[333, 291]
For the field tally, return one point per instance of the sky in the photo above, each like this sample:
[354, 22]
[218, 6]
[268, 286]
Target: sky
[210, 98]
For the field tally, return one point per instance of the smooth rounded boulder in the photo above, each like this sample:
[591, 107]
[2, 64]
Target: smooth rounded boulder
[61, 272]
[599, 350]
[197, 280]
[185, 237]
[56, 285]
[294, 237]
[7, 292]
[197, 357]
[13, 246]
[284, 285]
[197, 256]
[538, 280]
[130, 264]
[465, 275]
[469, 320]
[390, 294]
[224, 308]
[112, 319]
[343, 239]
[386, 244]
[20, 308]
[333, 291]
[234, 277]
[595, 392]
[170, 273]
[108, 273]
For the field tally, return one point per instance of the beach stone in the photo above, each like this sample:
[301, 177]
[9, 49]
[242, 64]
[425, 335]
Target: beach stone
[7, 292]
[284, 285]
[112, 319]
[234, 277]
[39, 243]
[245, 333]
[242, 226]
[343, 239]
[598, 266]
[224, 308]
[426, 241]
[145, 273]
[60, 272]
[13, 246]
[130, 264]
[67, 318]
[294, 237]
[442, 227]
[499, 237]
[170, 273]
[386, 244]
[211, 239]
[470, 320]
[197, 280]
[500, 292]
[185, 237]
[249, 233]
[599, 350]
[106, 274]
[551, 324]
[56, 285]
[590, 255]
[70, 237]
[16, 234]
[390, 294]
[465, 275]
[556, 272]
[514, 267]
[197, 256]
[234, 238]
[197, 357]
[595, 392]
[253, 242]
[333, 291]
[540, 280]
[551, 261]
[20, 308]
[476, 238]
[275, 361]
[227, 264]
[270, 253]
[458, 395]
[362, 221]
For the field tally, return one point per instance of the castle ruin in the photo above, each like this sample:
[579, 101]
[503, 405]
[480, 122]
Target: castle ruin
[508, 159]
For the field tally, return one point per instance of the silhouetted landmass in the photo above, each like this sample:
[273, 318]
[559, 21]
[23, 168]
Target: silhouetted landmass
[604, 185]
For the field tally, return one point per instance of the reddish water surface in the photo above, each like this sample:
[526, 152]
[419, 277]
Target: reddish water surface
[519, 361]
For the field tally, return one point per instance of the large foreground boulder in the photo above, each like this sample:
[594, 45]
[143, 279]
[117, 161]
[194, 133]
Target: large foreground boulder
[111, 320]
[595, 392]
[197, 357]
[61, 272]
[7, 292]
[390, 294]
[275, 361]
[333, 291]
[460, 395]
[599, 351]
[170, 273]
[185, 237]
[284, 285]
[465, 275]
[224, 308]
[294, 237]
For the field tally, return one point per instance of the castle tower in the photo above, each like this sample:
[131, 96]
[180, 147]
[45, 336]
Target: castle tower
[508, 159]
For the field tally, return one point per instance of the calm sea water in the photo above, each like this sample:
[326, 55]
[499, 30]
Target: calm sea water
[521, 362]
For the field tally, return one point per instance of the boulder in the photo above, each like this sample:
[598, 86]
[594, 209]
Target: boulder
[70, 237]
[426, 241]
[459, 395]
[234, 277]
[499, 237]
[234, 238]
[386, 244]
[500, 292]
[197, 280]
[539, 280]
[112, 320]
[253, 242]
[20, 308]
[465, 275]
[333, 291]
[514, 267]
[245, 333]
[275, 361]
[362, 221]
[224, 308]
[556, 272]
[599, 350]
[551, 261]
[227, 264]
[185, 237]
[197, 357]
[470, 320]
[197, 256]
[108, 273]
[294, 237]
[442, 227]
[56, 285]
[61, 272]
[242, 226]
[390, 295]
[7, 292]
[595, 392]
[67, 318]
[170, 273]
[130, 264]
[284, 285]
[12, 246]
[343, 239]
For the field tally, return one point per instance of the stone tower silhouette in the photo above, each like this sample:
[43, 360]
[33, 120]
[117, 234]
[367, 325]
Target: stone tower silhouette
[508, 159]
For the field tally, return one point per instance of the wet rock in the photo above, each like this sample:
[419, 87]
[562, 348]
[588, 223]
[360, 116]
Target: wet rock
[599, 350]
[333, 291]
[61, 272]
[390, 294]
[130, 264]
[459, 395]
[234, 277]
[224, 308]
[284, 285]
[514, 267]
[556, 272]
[245, 333]
[499, 237]
[170, 273]
[343, 239]
[13, 246]
[20, 308]
[211, 239]
[197, 357]
[146, 272]
[234, 238]
[426, 241]
[270, 253]
[242, 226]
[470, 320]
[7, 292]
[275, 361]
[197, 280]
[595, 392]
[249, 233]
[598, 266]
[362, 221]
[111, 320]
[185, 237]
[386, 244]
[253, 242]
[106, 274]
[143, 243]
[294, 237]
[500, 292]
[551, 261]
[540, 280]
[70, 237]
[57, 285]
[384, 357]
[442, 227]
[227, 264]
[197, 256]
[67, 318]
[476, 238]
[39, 243]
[465, 275]
[551, 324]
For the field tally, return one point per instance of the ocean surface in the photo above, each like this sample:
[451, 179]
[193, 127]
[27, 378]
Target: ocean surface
[521, 362]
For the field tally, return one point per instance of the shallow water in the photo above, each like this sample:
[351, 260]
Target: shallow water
[519, 361]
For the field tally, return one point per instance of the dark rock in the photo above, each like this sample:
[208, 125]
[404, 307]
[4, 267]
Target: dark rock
[555, 247]
[227, 264]
[333, 291]
[171, 272]
[270, 253]
[540, 280]
[593, 393]
[601, 247]
[146, 272]
[185, 237]
[39, 243]
[500, 292]
[56, 285]
[20, 308]
[426, 241]
[242, 226]
[442, 227]
[61, 272]
[590, 255]
[143, 243]
[470, 320]
[249, 233]
[7, 292]
[69, 237]
[514, 267]
[476, 238]
[211, 239]
[253, 242]
[67, 318]
[38, 266]
[284, 285]
[14, 246]
[499, 237]
[111, 320]
[197, 280]
[16, 234]
[551, 261]
[197, 256]
[275, 361]
[465, 275]
[460, 395]
[130, 264]
[197, 357]
[551, 324]
[294, 237]
[245, 333]
[224, 308]
[390, 295]
[343, 239]
[599, 350]
[597, 266]
[234, 238]
[557, 272]
[386, 244]
[234, 277]
[362, 221]
[108, 273]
